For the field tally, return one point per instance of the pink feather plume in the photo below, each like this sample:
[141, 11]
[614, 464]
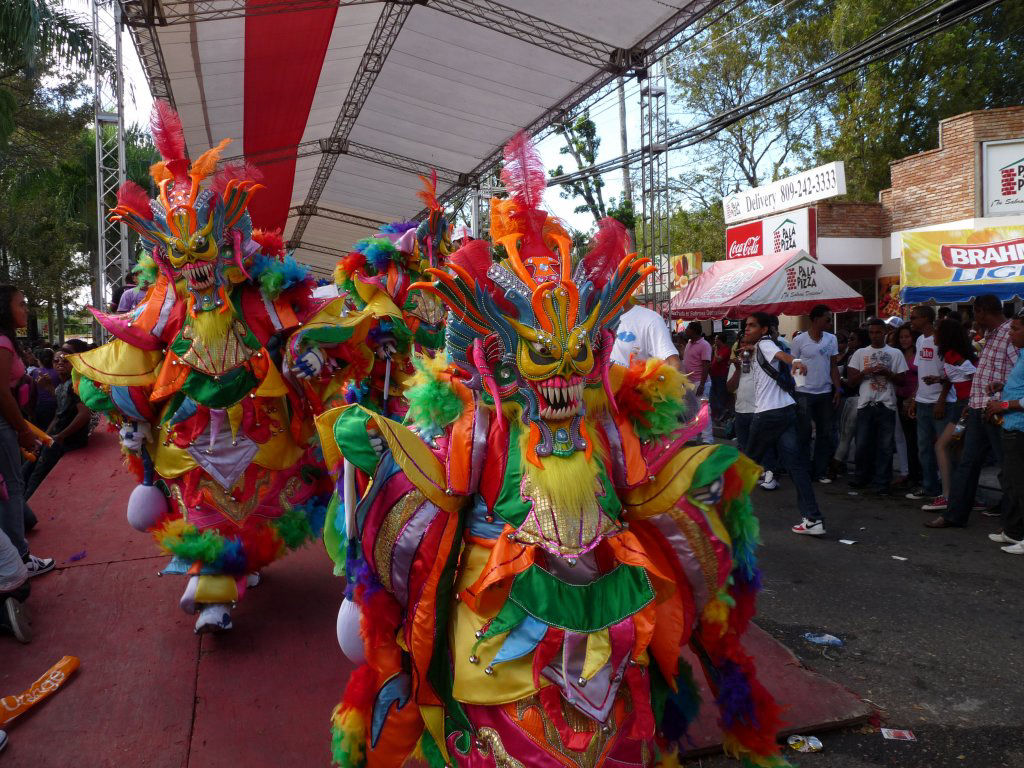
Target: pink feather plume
[168, 134]
[610, 246]
[132, 196]
[236, 170]
[523, 173]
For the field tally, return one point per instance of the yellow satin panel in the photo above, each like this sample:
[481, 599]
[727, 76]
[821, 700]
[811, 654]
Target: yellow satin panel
[325, 428]
[378, 303]
[599, 651]
[659, 495]
[273, 385]
[433, 719]
[216, 589]
[512, 680]
[119, 364]
[235, 413]
[279, 452]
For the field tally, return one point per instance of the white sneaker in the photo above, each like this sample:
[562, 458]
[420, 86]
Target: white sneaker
[253, 579]
[810, 528]
[37, 566]
[768, 481]
[1002, 538]
[824, 480]
[1014, 549]
[213, 617]
[3, 740]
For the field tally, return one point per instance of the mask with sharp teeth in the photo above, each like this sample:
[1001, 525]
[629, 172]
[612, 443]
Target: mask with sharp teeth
[533, 328]
[202, 237]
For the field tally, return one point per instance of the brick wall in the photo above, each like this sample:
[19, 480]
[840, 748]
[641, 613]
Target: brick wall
[942, 184]
[851, 220]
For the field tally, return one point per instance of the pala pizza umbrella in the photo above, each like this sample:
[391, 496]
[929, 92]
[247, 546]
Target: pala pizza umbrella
[788, 283]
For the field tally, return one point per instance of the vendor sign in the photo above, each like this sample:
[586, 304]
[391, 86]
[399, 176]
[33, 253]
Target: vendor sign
[790, 231]
[959, 264]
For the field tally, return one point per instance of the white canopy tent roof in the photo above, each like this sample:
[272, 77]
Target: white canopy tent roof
[342, 102]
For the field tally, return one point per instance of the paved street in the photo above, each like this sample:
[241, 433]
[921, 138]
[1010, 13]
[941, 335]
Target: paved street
[933, 641]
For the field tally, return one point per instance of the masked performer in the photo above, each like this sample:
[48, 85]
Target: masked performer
[529, 556]
[377, 277]
[215, 377]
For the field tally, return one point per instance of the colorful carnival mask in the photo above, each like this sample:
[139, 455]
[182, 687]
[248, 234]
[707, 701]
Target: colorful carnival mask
[533, 329]
[203, 236]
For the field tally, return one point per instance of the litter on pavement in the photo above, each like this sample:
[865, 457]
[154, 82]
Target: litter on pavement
[805, 743]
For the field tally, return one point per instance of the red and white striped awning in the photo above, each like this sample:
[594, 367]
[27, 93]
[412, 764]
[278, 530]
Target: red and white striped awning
[342, 102]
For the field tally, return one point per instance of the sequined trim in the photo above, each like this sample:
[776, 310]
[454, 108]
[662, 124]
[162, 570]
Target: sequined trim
[567, 533]
[492, 743]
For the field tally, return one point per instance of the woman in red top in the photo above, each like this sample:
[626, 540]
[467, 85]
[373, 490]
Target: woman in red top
[959, 359]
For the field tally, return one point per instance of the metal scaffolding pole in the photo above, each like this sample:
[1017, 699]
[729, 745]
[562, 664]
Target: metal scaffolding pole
[111, 265]
[654, 189]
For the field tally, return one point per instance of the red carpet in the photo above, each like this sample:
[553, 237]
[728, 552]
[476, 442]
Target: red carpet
[150, 693]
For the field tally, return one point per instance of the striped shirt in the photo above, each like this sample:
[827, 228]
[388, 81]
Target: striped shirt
[997, 359]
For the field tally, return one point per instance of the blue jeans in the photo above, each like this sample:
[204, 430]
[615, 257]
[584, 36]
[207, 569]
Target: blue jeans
[928, 430]
[981, 440]
[776, 429]
[876, 429]
[742, 424]
[815, 409]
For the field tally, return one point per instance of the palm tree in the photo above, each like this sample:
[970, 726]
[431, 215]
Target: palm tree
[40, 30]
[31, 29]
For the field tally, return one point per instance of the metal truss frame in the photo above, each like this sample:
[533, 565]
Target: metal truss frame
[382, 40]
[654, 192]
[112, 265]
[635, 61]
[354, 149]
[335, 215]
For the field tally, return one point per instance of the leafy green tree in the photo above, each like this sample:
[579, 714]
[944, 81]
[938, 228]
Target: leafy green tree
[892, 109]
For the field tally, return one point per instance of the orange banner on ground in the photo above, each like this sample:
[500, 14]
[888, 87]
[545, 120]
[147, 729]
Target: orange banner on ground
[55, 677]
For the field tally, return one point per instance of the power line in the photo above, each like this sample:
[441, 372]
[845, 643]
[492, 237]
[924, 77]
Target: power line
[901, 34]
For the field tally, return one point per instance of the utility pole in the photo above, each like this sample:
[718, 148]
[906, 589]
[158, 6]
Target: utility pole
[627, 188]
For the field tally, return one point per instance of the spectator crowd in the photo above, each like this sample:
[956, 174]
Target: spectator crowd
[916, 408]
[41, 419]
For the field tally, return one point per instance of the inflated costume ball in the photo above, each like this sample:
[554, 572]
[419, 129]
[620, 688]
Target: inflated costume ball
[146, 507]
[349, 639]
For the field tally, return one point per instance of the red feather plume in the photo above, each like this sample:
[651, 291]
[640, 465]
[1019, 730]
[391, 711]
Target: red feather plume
[132, 196]
[610, 247]
[168, 134]
[235, 171]
[271, 243]
[523, 173]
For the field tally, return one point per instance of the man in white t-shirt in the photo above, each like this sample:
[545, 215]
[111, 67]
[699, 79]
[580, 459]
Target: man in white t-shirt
[878, 370]
[774, 422]
[643, 334]
[818, 396]
[931, 414]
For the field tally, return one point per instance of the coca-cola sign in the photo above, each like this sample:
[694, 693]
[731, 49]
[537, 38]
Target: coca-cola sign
[744, 240]
[777, 234]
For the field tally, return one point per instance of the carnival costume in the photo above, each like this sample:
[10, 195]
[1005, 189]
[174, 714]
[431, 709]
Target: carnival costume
[529, 554]
[214, 379]
[377, 277]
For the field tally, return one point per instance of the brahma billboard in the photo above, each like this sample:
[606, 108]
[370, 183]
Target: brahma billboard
[958, 264]
[788, 231]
